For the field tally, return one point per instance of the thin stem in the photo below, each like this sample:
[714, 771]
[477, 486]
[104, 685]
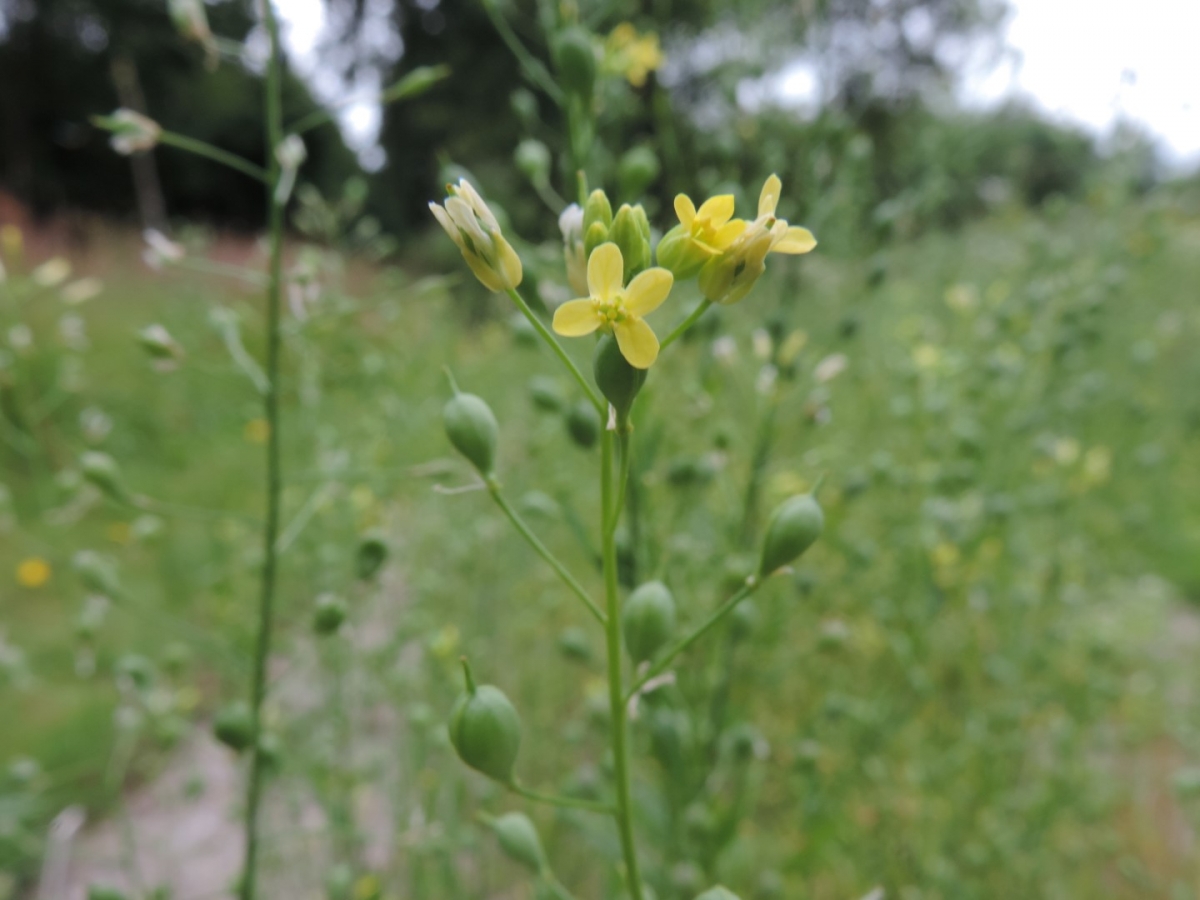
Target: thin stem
[530, 65]
[411, 84]
[274, 134]
[216, 154]
[623, 478]
[567, 578]
[616, 695]
[540, 327]
[686, 323]
[751, 585]
[562, 802]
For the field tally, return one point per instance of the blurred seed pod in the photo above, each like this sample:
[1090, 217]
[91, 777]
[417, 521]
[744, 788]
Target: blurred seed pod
[101, 470]
[472, 429]
[546, 394]
[485, 729]
[519, 840]
[794, 527]
[371, 554]
[583, 425]
[618, 381]
[648, 620]
[233, 725]
[575, 59]
[329, 612]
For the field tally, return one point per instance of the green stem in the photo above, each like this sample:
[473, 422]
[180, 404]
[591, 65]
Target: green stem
[562, 802]
[686, 324]
[216, 154]
[616, 694]
[567, 578]
[751, 585]
[530, 65]
[274, 134]
[540, 327]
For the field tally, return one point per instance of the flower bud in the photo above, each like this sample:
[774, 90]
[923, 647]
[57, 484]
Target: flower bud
[718, 893]
[637, 170]
[475, 230]
[583, 425]
[793, 528]
[97, 573]
[648, 620]
[102, 471]
[472, 430]
[618, 381]
[595, 235]
[628, 234]
[132, 132]
[485, 729]
[679, 254]
[371, 554]
[597, 209]
[575, 59]
[329, 612]
[158, 343]
[234, 726]
[519, 840]
[533, 159]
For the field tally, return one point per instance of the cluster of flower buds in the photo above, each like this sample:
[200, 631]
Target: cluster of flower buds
[132, 132]
[474, 229]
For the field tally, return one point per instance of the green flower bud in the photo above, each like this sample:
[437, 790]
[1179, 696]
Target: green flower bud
[679, 254]
[637, 170]
[371, 554]
[533, 159]
[597, 209]
[103, 472]
[234, 725]
[546, 394]
[626, 232]
[595, 235]
[718, 893]
[618, 381]
[793, 528]
[575, 59]
[648, 620]
[583, 425]
[519, 840]
[485, 730]
[472, 430]
[98, 573]
[329, 612]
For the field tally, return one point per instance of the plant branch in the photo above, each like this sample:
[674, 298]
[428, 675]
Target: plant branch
[216, 154]
[540, 327]
[687, 323]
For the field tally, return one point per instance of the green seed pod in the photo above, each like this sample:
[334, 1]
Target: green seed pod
[618, 381]
[743, 620]
[329, 612]
[472, 430]
[103, 892]
[371, 554]
[573, 642]
[597, 209]
[533, 159]
[486, 730]
[234, 725]
[546, 394]
[626, 232]
[648, 620]
[793, 528]
[583, 425]
[575, 59]
[98, 573]
[525, 105]
[519, 840]
[637, 170]
[102, 471]
[718, 893]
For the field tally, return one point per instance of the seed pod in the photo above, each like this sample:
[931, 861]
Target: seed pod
[158, 343]
[533, 159]
[575, 59]
[519, 840]
[743, 620]
[573, 642]
[472, 430]
[583, 425]
[618, 381]
[637, 170]
[648, 620]
[371, 554]
[98, 573]
[524, 104]
[102, 471]
[626, 232]
[234, 726]
[486, 730]
[329, 613]
[718, 893]
[794, 527]
[546, 394]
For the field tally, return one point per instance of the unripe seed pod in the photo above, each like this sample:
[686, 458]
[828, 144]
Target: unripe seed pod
[234, 726]
[486, 730]
[98, 573]
[618, 381]
[575, 59]
[102, 471]
[743, 620]
[329, 613]
[718, 893]
[546, 394]
[583, 424]
[371, 554]
[525, 105]
[637, 170]
[573, 642]
[533, 159]
[626, 232]
[794, 527]
[472, 430]
[648, 620]
[519, 840]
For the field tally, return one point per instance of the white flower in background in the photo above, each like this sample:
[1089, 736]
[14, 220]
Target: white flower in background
[95, 424]
[291, 154]
[725, 350]
[52, 272]
[830, 367]
[763, 345]
[82, 290]
[570, 223]
[767, 377]
[160, 250]
[73, 332]
[132, 132]
[20, 337]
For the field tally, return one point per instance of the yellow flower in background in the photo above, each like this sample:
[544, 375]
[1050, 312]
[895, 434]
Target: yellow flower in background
[33, 572]
[631, 54]
[615, 307]
[257, 431]
[474, 229]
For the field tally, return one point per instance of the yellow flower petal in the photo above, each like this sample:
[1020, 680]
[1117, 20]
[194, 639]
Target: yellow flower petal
[606, 271]
[576, 318]
[796, 240]
[507, 262]
[685, 209]
[637, 343]
[728, 233]
[647, 291]
[718, 210]
[445, 221]
[769, 198]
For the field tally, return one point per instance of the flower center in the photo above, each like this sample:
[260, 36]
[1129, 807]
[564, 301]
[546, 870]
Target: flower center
[611, 310]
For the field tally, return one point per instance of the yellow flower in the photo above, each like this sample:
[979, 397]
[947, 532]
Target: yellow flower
[616, 307]
[474, 229]
[700, 235]
[729, 277]
[632, 55]
[33, 572]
